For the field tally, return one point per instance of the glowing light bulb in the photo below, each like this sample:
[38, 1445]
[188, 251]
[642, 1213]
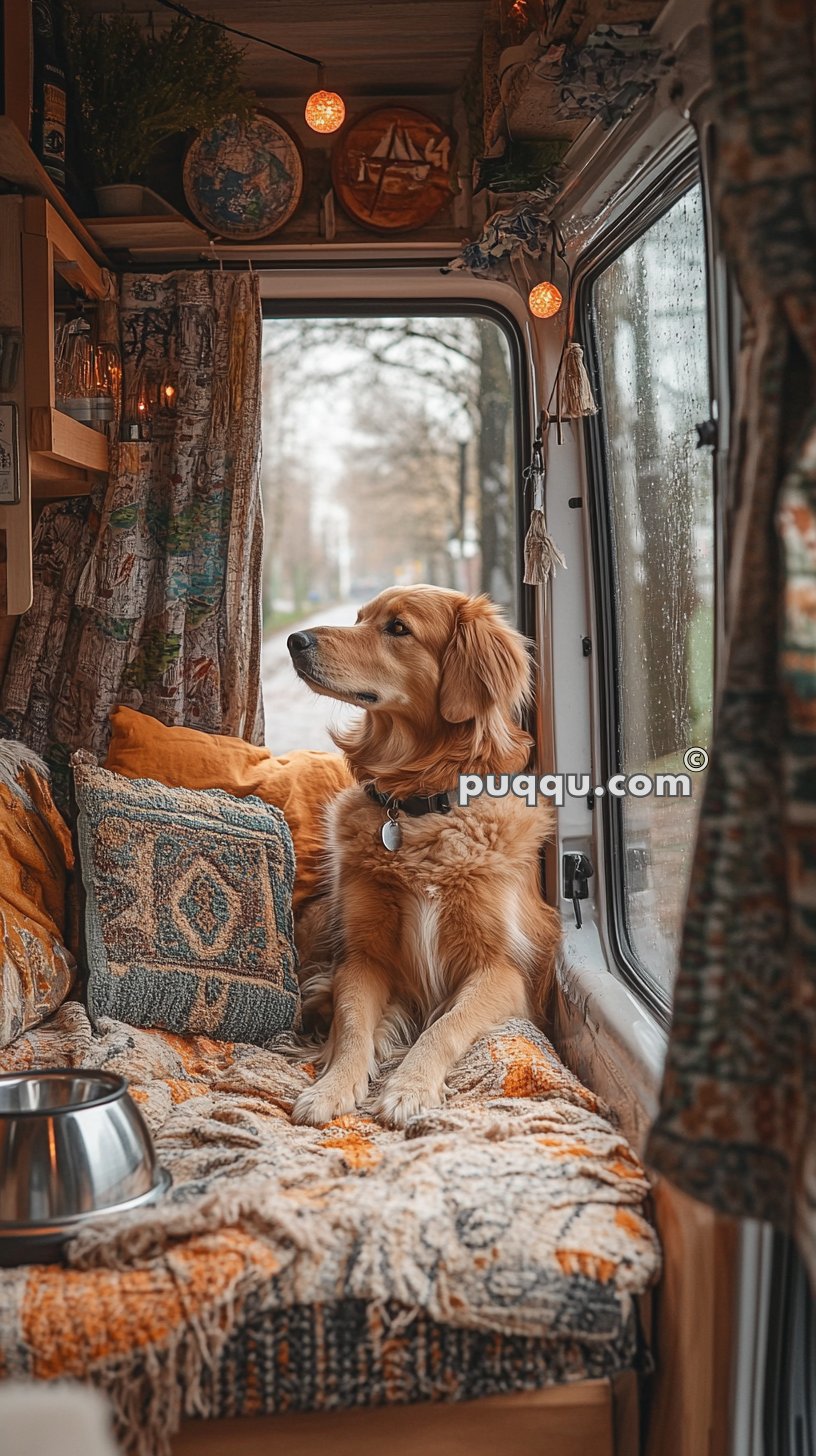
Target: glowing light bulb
[545, 300]
[325, 111]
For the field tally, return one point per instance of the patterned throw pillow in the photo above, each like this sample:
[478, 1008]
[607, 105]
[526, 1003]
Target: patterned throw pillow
[188, 917]
[301, 783]
[36, 859]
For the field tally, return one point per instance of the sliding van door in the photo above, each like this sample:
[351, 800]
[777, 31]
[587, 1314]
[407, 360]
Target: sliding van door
[650, 481]
[654, 539]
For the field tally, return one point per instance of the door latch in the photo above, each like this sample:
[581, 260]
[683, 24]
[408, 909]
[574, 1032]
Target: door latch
[577, 873]
[706, 434]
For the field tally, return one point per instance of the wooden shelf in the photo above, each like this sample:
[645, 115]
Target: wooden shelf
[148, 237]
[51, 480]
[40, 237]
[19, 165]
[65, 455]
[16, 574]
[68, 441]
[70, 257]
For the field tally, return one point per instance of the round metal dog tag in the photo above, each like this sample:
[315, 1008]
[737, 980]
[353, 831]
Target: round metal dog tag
[391, 835]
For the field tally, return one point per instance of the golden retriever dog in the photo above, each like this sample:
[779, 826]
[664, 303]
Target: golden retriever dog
[444, 935]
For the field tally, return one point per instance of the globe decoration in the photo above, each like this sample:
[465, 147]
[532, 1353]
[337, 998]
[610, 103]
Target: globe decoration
[243, 179]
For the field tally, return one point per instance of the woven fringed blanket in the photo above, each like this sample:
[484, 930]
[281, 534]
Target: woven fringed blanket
[514, 1214]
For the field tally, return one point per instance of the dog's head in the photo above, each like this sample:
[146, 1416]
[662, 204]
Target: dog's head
[443, 679]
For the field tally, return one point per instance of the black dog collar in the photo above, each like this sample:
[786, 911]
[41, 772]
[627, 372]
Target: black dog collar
[415, 805]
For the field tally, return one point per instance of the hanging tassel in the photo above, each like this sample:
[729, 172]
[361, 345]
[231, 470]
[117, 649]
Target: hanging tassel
[541, 555]
[577, 399]
[571, 388]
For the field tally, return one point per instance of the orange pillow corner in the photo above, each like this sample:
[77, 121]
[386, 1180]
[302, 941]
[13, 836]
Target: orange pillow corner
[301, 783]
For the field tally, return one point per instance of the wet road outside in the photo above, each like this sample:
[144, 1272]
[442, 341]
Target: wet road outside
[295, 716]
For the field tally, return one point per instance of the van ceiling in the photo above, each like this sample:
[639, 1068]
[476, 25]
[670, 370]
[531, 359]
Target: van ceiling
[380, 47]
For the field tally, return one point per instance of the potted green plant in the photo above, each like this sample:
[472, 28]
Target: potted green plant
[135, 88]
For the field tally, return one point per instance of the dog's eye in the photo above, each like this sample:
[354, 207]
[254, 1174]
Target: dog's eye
[396, 628]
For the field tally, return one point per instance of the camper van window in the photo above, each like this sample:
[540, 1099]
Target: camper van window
[651, 342]
[390, 457]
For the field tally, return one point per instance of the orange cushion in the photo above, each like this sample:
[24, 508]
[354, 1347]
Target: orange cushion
[36, 858]
[301, 783]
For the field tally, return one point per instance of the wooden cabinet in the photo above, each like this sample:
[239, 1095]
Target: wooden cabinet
[20, 167]
[40, 240]
[18, 64]
[64, 453]
[15, 520]
[58, 456]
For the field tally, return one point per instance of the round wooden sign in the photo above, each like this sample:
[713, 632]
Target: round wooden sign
[390, 168]
[243, 179]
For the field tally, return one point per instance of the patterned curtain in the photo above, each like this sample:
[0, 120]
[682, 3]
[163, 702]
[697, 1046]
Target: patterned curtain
[737, 1122]
[150, 591]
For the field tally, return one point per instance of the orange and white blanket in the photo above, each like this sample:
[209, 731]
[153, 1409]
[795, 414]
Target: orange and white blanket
[517, 1209]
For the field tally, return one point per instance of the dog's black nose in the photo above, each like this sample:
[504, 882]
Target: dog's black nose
[301, 642]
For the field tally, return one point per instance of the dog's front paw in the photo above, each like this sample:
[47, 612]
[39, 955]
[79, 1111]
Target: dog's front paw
[327, 1099]
[401, 1099]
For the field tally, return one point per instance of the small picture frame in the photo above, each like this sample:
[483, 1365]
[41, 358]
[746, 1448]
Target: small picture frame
[9, 455]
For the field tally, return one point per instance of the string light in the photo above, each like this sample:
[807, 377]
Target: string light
[325, 111]
[544, 300]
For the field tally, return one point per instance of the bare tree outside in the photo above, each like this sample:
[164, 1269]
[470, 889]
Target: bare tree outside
[388, 458]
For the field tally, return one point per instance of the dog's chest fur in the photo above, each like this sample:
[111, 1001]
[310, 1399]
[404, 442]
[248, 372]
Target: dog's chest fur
[453, 895]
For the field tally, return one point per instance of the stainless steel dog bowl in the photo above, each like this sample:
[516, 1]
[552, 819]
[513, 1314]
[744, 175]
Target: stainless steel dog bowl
[73, 1144]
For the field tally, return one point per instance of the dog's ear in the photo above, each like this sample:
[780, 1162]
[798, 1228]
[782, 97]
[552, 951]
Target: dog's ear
[485, 665]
